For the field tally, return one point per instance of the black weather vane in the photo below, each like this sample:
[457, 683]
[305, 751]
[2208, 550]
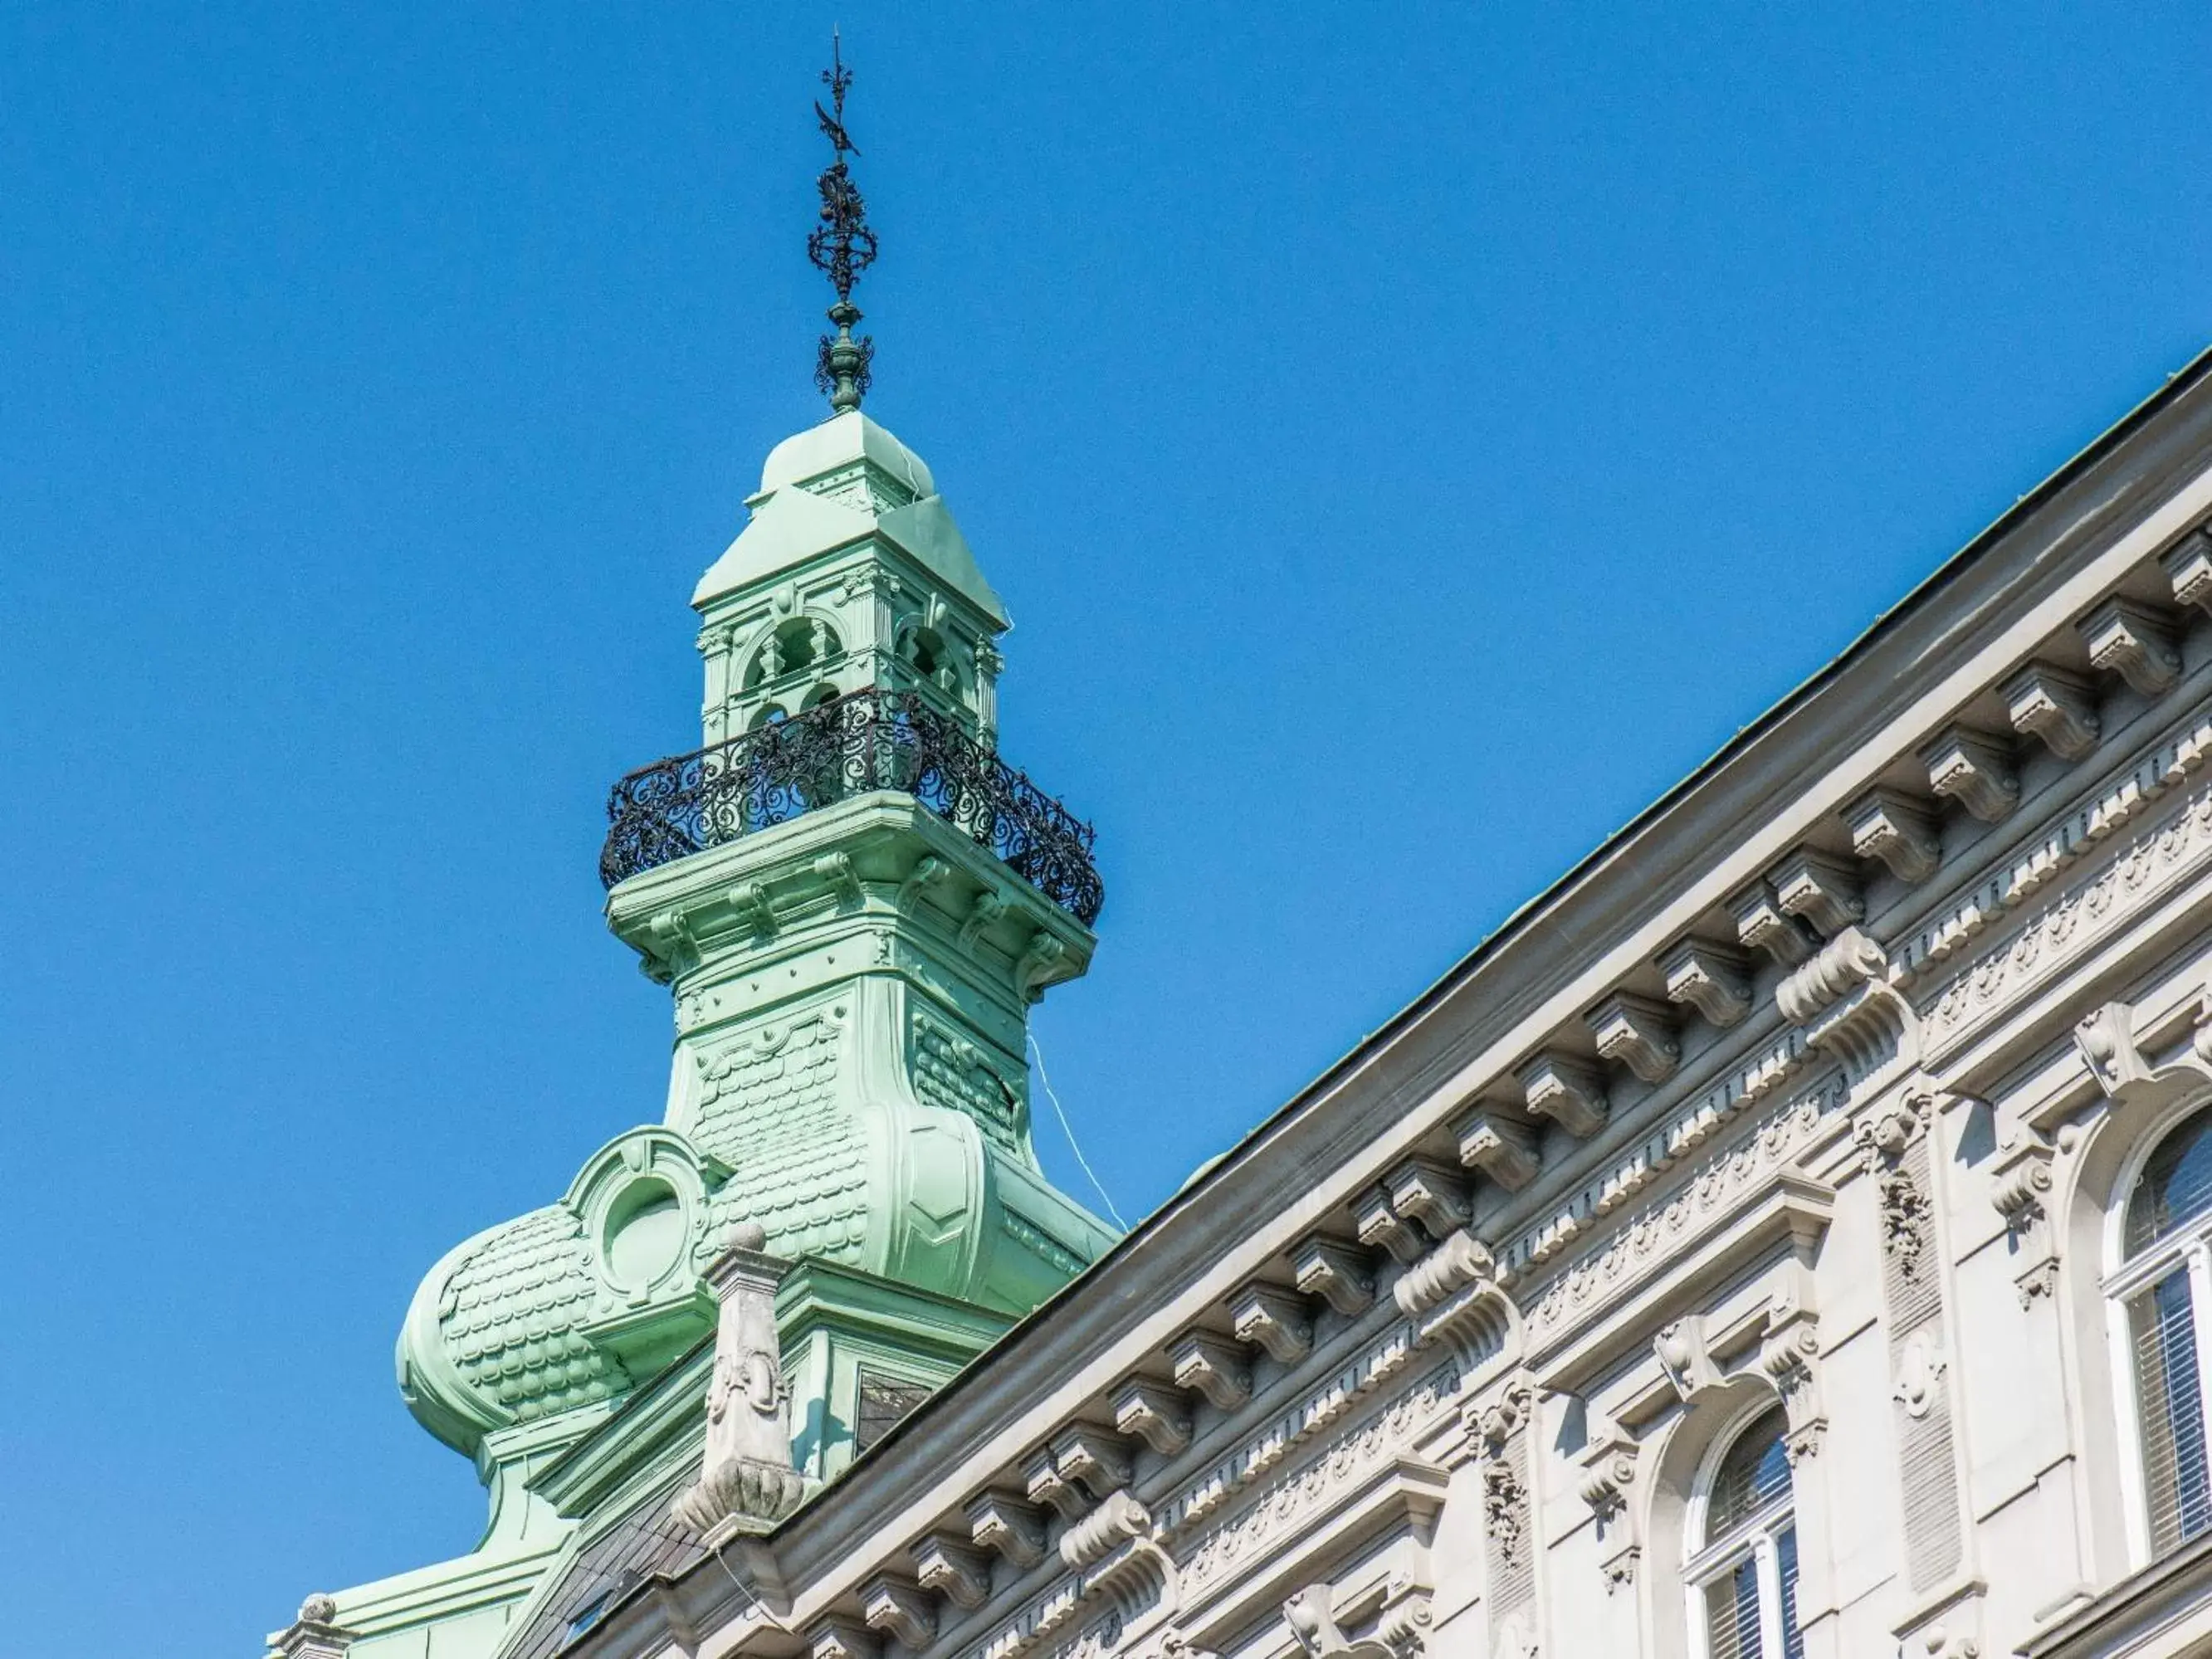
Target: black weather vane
[841, 247]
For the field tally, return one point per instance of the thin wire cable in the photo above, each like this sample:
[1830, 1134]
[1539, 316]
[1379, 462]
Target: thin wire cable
[746, 1590]
[1068, 1129]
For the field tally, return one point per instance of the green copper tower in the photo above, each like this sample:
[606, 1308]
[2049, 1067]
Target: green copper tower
[853, 901]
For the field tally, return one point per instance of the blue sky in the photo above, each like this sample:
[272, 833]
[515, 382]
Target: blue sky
[1407, 438]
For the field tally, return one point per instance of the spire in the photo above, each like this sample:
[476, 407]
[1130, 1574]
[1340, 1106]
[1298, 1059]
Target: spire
[841, 247]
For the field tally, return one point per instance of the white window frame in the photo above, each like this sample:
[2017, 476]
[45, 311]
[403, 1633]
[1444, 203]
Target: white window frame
[1753, 1536]
[2190, 1245]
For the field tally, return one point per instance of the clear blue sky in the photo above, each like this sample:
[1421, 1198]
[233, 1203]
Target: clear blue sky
[1409, 439]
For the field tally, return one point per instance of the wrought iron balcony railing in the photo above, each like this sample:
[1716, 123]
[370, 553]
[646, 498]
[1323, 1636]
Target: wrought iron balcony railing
[848, 747]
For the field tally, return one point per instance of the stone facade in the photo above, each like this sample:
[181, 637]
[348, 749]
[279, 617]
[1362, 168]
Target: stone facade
[1789, 1235]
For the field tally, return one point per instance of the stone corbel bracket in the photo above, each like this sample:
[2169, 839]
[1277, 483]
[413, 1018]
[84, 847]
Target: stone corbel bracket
[1789, 1354]
[2126, 1072]
[1608, 1464]
[1845, 1002]
[2021, 1181]
[1401, 1625]
[1453, 1295]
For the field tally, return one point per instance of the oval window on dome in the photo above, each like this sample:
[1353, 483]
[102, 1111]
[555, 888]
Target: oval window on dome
[645, 1235]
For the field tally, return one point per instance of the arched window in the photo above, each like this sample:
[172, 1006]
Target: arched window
[1742, 1570]
[2162, 1284]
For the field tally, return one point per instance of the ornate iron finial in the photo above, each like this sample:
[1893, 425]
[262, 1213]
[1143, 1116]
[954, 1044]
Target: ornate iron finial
[841, 247]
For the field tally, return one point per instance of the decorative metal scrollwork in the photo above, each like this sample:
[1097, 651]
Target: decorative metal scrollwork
[863, 741]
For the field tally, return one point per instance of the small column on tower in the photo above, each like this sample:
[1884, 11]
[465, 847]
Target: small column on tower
[746, 1472]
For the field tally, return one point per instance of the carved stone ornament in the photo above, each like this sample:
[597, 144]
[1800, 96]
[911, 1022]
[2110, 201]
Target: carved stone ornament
[1975, 769]
[1608, 1465]
[315, 1634]
[1714, 979]
[1400, 1632]
[1504, 1508]
[746, 1471]
[2107, 1043]
[1568, 1091]
[1920, 1368]
[1897, 830]
[1820, 887]
[2133, 641]
[2055, 705]
[1844, 1000]
[1105, 1529]
[1764, 924]
[1338, 1273]
[1904, 1219]
[1790, 1357]
[1637, 1031]
[2188, 565]
[1680, 1350]
[1008, 1527]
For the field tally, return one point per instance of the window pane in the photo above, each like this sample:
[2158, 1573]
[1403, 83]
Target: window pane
[1755, 1472]
[2162, 1340]
[2175, 1186]
[1785, 1563]
[1732, 1612]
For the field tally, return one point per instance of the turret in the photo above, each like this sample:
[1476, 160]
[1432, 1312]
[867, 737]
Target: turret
[853, 901]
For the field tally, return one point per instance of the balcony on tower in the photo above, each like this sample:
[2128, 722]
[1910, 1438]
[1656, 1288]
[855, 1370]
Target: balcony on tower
[848, 746]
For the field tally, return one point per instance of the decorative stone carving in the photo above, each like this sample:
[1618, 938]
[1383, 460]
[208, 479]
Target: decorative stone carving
[1435, 1197]
[1889, 825]
[834, 871]
[927, 876]
[1714, 979]
[2188, 566]
[746, 1468]
[2107, 1040]
[1764, 924]
[1637, 1031]
[1105, 1529]
[1045, 1483]
[1495, 1421]
[1845, 1003]
[953, 1571]
[1454, 1264]
[901, 1609]
[1920, 1367]
[1274, 1320]
[1975, 769]
[1401, 1630]
[1338, 1273]
[316, 1633]
[842, 1639]
[1680, 1348]
[1212, 1367]
[1822, 889]
[988, 907]
[1789, 1354]
[1904, 1219]
[2133, 641]
[1501, 1147]
[1379, 1224]
[1089, 1454]
[1937, 1642]
[1039, 964]
[2020, 1189]
[1568, 1092]
[1008, 1527]
[2059, 707]
[1154, 1413]
[748, 903]
[1506, 1510]
[1609, 1463]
